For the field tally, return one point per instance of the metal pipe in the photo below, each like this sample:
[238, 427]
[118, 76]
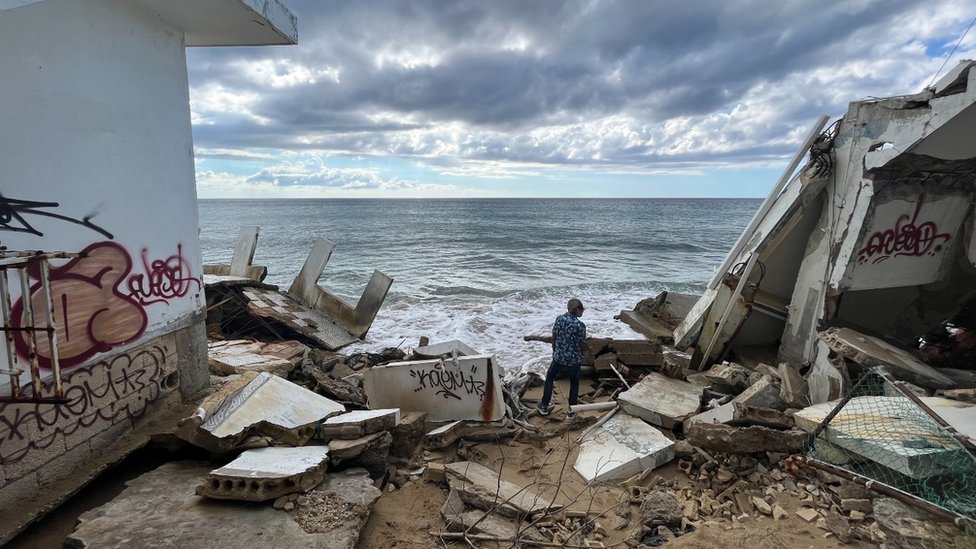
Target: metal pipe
[594, 406]
[614, 368]
[26, 300]
[767, 204]
[598, 423]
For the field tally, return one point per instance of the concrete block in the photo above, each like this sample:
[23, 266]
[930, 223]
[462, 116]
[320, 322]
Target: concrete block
[738, 414]
[18, 490]
[370, 451]
[675, 362]
[38, 450]
[603, 362]
[743, 440]
[661, 400]
[762, 394]
[634, 346]
[408, 434]
[267, 473]
[447, 348]
[359, 423]
[621, 448]
[793, 388]
[467, 388]
[435, 472]
[481, 487]
[730, 374]
[641, 360]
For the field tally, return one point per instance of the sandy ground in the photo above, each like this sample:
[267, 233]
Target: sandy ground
[407, 517]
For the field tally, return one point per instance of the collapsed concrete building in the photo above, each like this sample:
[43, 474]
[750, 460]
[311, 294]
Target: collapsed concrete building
[874, 238]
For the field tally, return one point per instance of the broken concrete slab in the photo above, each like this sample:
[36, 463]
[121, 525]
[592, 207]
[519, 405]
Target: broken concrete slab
[465, 388]
[257, 403]
[743, 440]
[359, 423]
[661, 400]
[738, 414]
[762, 394]
[233, 361]
[371, 451]
[621, 448]
[354, 320]
[870, 351]
[240, 267]
[444, 436]
[294, 316]
[882, 429]
[340, 390]
[481, 487]
[337, 509]
[729, 374]
[657, 317]
[408, 434]
[267, 473]
[447, 348]
[170, 514]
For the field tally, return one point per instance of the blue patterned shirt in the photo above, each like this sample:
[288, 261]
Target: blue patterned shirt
[568, 332]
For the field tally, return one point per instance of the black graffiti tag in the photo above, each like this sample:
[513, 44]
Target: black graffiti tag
[448, 383]
[14, 214]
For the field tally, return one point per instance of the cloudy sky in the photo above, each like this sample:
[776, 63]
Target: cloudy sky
[589, 98]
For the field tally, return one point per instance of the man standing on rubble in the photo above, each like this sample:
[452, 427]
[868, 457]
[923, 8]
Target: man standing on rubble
[568, 346]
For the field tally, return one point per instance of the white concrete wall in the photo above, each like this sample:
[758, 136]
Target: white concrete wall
[96, 128]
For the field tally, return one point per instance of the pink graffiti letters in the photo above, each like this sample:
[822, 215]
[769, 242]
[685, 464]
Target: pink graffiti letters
[165, 279]
[906, 238]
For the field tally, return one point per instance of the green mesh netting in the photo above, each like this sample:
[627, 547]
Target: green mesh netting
[881, 434]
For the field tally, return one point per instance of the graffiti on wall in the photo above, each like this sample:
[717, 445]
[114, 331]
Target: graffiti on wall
[163, 279]
[15, 216]
[99, 303]
[907, 237]
[98, 396]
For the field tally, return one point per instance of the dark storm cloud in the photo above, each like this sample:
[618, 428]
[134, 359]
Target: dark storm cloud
[501, 70]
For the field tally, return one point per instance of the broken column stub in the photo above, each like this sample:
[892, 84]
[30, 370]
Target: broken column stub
[793, 388]
[465, 388]
[762, 394]
[267, 473]
[621, 448]
[359, 423]
[257, 404]
[481, 487]
[661, 400]
[730, 374]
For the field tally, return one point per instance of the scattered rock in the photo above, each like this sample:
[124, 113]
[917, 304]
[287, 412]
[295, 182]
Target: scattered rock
[762, 506]
[808, 514]
[661, 508]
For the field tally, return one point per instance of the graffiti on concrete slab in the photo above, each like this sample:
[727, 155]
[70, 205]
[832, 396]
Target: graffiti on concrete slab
[15, 216]
[163, 279]
[907, 237]
[448, 382]
[99, 395]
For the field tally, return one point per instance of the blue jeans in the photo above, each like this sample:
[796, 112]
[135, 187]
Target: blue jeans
[574, 380]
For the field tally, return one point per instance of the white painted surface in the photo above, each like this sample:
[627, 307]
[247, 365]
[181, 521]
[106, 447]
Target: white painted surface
[277, 462]
[359, 416]
[623, 447]
[465, 389]
[271, 399]
[227, 22]
[907, 242]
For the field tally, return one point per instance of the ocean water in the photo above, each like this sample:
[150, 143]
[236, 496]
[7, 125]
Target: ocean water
[489, 271]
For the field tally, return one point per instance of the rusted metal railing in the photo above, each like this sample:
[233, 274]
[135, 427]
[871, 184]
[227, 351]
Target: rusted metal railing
[21, 264]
